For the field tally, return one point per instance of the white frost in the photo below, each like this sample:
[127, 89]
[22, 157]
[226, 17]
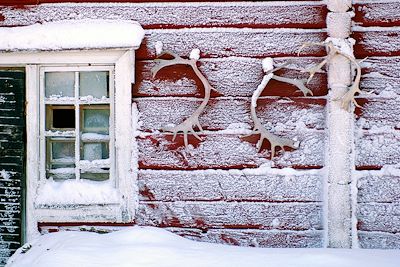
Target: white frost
[158, 47]
[79, 34]
[195, 54]
[5, 174]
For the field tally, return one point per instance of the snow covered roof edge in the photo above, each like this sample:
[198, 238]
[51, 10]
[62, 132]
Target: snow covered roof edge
[72, 34]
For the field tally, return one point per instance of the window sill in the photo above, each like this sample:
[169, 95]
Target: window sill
[73, 194]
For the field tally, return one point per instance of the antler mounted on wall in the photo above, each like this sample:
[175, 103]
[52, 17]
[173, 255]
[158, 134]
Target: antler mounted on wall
[187, 125]
[274, 140]
[335, 48]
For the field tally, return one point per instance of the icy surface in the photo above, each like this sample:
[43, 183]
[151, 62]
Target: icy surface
[88, 34]
[76, 192]
[148, 247]
[290, 13]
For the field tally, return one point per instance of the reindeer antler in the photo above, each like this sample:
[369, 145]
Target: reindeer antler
[274, 140]
[332, 52]
[187, 125]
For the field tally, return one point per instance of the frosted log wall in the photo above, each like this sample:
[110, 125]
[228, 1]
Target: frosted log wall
[377, 135]
[208, 191]
[215, 190]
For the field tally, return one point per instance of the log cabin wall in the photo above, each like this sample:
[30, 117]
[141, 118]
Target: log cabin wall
[201, 191]
[377, 137]
[221, 189]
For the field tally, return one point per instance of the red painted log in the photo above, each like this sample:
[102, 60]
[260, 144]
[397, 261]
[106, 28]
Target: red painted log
[227, 76]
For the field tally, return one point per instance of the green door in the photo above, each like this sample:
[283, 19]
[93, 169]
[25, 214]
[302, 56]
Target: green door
[12, 159]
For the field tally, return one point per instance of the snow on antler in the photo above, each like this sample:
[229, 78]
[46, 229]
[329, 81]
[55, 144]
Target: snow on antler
[274, 140]
[187, 125]
[334, 48]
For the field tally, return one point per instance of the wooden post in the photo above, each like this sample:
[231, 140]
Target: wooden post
[339, 159]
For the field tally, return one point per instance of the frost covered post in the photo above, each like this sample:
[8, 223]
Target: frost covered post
[339, 157]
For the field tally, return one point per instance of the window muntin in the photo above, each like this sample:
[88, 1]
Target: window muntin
[77, 123]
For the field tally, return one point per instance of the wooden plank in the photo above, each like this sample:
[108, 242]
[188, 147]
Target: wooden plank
[7, 198]
[254, 238]
[235, 215]
[10, 221]
[383, 217]
[374, 150]
[302, 14]
[22, 3]
[230, 76]
[226, 152]
[12, 132]
[219, 42]
[378, 240]
[379, 188]
[14, 183]
[384, 14]
[376, 41]
[378, 113]
[381, 76]
[288, 114]
[223, 185]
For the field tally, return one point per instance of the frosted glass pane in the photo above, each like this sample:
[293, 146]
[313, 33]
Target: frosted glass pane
[96, 120]
[95, 176]
[63, 151]
[94, 83]
[61, 173]
[95, 151]
[59, 84]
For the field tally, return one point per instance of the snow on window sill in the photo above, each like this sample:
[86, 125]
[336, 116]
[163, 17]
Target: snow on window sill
[75, 193]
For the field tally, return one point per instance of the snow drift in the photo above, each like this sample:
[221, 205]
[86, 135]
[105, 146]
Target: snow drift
[154, 247]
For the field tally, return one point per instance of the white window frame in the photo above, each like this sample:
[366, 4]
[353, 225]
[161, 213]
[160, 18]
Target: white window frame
[76, 103]
[122, 60]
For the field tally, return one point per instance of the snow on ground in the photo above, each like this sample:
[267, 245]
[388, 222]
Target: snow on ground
[154, 247]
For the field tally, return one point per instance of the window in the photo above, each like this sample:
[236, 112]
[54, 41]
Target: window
[80, 147]
[77, 123]
[80, 153]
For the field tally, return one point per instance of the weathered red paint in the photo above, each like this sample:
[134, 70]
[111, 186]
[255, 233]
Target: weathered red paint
[36, 2]
[229, 240]
[146, 192]
[171, 222]
[177, 72]
[363, 49]
[72, 224]
[379, 20]
[368, 168]
[359, 110]
[266, 145]
[201, 224]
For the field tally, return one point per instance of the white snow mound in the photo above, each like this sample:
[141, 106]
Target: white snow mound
[72, 34]
[154, 247]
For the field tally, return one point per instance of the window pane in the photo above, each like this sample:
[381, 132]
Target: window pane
[61, 173]
[95, 151]
[63, 151]
[60, 159]
[63, 118]
[94, 83]
[59, 84]
[96, 120]
[95, 176]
